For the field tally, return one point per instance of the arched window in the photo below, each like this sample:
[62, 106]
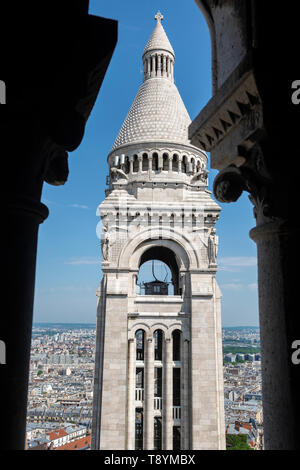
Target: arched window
[165, 162]
[127, 165]
[172, 220]
[140, 345]
[158, 345]
[176, 345]
[139, 383]
[184, 164]
[176, 335]
[135, 164]
[145, 162]
[175, 162]
[155, 162]
[158, 386]
[158, 272]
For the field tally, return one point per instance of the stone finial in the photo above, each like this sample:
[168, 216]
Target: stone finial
[159, 17]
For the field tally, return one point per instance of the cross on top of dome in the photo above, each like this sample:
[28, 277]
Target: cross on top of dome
[158, 17]
[158, 39]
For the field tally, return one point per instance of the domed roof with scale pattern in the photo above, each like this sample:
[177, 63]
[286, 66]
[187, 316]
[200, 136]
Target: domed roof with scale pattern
[158, 113]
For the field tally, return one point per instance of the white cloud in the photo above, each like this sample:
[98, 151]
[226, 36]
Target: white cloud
[83, 260]
[231, 286]
[233, 263]
[235, 284]
[253, 286]
[79, 206]
[57, 289]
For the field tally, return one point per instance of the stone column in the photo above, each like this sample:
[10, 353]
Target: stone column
[149, 395]
[131, 165]
[150, 163]
[179, 164]
[140, 160]
[153, 72]
[185, 395]
[168, 396]
[131, 394]
[159, 65]
[164, 65]
[148, 67]
[16, 324]
[172, 67]
[40, 124]
[279, 328]
[277, 239]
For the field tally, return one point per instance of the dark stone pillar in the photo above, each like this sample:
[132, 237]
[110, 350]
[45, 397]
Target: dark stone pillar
[26, 160]
[251, 128]
[276, 235]
[53, 64]
[22, 224]
[279, 328]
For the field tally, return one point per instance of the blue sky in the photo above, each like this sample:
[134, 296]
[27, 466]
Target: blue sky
[69, 260]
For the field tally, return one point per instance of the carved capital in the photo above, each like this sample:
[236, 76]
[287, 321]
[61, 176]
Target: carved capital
[267, 193]
[229, 184]
[57, 168]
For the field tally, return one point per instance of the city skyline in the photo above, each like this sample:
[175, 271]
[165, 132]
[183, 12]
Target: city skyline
[60, 393]
[69, 255]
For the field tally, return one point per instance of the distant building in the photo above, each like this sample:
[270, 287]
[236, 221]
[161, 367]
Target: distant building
[229, 358]
[246, 428]
[249, 357]
[233, 396]
[253, 396]
[240, 357]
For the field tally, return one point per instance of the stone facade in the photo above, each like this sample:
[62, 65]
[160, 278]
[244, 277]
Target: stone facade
[157, 206]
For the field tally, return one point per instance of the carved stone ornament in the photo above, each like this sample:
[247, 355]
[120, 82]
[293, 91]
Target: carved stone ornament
[116, 174]
[254, 178]
[212, 247]
[105, 244]
[200, 176]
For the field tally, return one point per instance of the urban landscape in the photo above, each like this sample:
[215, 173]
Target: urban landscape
[60, 395]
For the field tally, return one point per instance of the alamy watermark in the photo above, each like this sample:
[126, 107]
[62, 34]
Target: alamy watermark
[296, 94]
[2, 92]
[296, 354]
[2, 352]
[123, 220]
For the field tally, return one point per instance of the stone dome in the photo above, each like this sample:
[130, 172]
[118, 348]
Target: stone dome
[157, 114]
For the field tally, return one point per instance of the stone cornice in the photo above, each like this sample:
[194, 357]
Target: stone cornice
[230, 118]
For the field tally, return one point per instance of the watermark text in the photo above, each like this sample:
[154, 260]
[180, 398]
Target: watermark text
[2, 92]
[2, 352]
[296, 93]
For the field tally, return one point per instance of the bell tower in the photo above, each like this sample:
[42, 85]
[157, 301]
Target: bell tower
[158, 370]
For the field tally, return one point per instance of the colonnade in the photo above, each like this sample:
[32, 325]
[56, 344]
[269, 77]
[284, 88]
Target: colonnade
[169, 414]
[157, 162]
[158, 65]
